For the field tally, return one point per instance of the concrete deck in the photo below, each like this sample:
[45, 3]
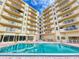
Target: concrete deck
[72, 44]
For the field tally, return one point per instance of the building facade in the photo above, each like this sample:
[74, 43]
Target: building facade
[18, 21]
[48, 24]
[64, 16]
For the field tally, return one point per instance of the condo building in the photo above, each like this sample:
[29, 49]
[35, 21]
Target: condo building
[18, 21]
[32, 24]
[61, 21]
[21, 22]
[48, 24]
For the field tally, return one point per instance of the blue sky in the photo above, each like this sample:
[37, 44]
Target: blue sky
[39, 5]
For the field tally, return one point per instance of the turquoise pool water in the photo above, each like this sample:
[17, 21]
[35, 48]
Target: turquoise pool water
[39, 48]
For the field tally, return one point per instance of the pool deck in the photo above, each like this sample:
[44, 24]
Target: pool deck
[39, 57]
[72, 44]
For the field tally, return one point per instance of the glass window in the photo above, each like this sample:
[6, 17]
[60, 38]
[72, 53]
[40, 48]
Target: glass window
[56, 23]
[56, 28]
[1, 3]
[11, 38]
[58, 37]
[22, 38]
[1, 38]
[30, 37]
[6, 38]
[55, 18]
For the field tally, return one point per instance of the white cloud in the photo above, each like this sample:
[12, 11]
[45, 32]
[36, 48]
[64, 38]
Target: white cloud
[34, 2]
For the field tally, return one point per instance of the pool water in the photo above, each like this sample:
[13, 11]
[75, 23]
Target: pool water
[39, 48]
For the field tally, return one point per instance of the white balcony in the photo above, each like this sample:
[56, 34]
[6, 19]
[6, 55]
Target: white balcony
[60, 18]
[3, 29]
[62, 30]
[10, 24]
[53, 31]
[11, 17]
[12, 30]
[74, 21]
[60, 24]
[11, 11]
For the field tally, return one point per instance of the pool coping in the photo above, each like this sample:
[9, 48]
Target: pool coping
[39, 54]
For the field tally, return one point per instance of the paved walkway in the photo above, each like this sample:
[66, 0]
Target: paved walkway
[39, 57]
[72, 44]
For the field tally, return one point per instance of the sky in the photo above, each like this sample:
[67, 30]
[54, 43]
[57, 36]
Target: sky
[39, 5]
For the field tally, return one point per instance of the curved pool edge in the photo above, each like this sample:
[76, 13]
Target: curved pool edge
[39, 54]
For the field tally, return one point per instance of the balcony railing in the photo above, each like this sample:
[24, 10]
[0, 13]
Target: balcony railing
[31, 24]
[9, 10]
[31, 19]
[15, 6]
[32, 16]
[69, 24]
[30, 8]
[32, 12]
[9, 24]
[12, 30]
[31, 29]
[21, 4]
[47, 20]
[68, 4]
[11, 18]
[70, 31]
[47, 9]
[69, 17]
[68, 11]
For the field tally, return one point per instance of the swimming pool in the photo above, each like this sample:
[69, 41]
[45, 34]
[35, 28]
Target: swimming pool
[40, 48]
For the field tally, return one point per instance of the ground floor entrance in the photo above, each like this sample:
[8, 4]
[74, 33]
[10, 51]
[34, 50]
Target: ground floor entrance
[15, 38]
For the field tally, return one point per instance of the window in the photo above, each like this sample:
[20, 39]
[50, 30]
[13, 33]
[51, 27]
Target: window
[53, 8]
[56, 23]
[73, 27]
[40, 22]
[1, 37]
[25, 14]
[40, 28]
[12, 22]
[30, 38]
[17, 11]
[40, 25]
[54, 13]
[61, 27]
[58, 37]
[56, 28]
[1, 3]
[55, 18]
[63, 38]
[22, 38]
